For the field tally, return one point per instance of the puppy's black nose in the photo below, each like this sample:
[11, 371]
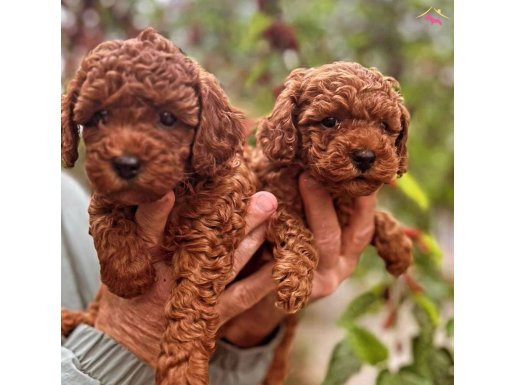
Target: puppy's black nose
[363, 159]
[126, 166]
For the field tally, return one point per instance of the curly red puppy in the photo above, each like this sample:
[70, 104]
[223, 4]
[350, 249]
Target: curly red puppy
[154, 121]
[347, 126]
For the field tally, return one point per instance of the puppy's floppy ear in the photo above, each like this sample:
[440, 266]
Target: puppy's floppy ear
[220, 133]
[400, 143]
[69, 128]
[277, 134]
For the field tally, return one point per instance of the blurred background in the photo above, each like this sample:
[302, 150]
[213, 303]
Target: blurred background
[374, 329]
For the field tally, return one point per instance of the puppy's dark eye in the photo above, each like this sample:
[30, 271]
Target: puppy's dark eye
[167, 118]
[99, 116]
[385, 126]
[329, 122]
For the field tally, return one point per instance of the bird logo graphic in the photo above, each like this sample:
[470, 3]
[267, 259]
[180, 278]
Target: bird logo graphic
[427, 15]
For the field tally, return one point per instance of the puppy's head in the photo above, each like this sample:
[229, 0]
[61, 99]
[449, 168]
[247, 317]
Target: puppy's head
[344, 123]
[149, 117]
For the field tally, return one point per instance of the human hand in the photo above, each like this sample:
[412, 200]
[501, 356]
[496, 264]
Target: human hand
[138, 323]
[339, 251]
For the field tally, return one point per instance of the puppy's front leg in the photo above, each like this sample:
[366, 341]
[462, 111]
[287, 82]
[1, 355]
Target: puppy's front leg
[70, 319]
[295, 257]
[125, 261]
[392, 245]
[210, 227]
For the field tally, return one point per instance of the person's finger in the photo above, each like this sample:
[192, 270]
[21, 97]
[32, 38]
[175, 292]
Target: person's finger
[348, 263]
[244, 294]
[322, 220]
[151, 217]
[262, 205]
[247, 248]
[358, 234]
[355, 237]
[325, 283]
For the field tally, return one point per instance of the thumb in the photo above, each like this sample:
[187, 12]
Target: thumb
[151, 218]
[360, 229]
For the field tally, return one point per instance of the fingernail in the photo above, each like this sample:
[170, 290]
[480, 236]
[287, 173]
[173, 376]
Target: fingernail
[166, 199]
[266, 202]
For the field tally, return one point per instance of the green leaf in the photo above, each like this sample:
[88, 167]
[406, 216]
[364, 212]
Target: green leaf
[386, 378]
[421, 346]
[430, 362]
[430, 277]
[257, 24]
[366, 346]
[256, 71]
[410, 187]
[342, 365]
[360, 305]
[401, 378]
[441, 366]
[449, 327]
[433, 249]
[429, 307]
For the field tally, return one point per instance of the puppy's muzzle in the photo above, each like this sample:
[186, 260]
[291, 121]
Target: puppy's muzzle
[126, 166]
[363, 159]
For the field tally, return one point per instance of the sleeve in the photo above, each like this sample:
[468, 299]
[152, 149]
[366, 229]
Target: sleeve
[89, 357]
[80, 271]
[71, 370]
[231, 365]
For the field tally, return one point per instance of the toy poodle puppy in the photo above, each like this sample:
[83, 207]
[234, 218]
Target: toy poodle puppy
[153, 121]
[347, 126]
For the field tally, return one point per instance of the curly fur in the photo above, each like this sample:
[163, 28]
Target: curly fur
[370, 115]
[199, 157]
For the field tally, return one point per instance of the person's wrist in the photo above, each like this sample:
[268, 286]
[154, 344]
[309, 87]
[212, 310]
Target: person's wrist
[137, 328]
[143, 342]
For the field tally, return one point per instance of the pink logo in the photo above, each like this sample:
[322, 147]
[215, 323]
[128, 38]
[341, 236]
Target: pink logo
[432, 19]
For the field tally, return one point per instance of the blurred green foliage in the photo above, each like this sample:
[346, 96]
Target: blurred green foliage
[251, 46]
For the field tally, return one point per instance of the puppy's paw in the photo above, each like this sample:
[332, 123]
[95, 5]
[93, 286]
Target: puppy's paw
[392, 244]
[397, 262]
[128, 280]
[294, 286]
[71, 319]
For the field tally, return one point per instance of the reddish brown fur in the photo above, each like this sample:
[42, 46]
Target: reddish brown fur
[292, 140]
[200, 158]
[70, 319]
